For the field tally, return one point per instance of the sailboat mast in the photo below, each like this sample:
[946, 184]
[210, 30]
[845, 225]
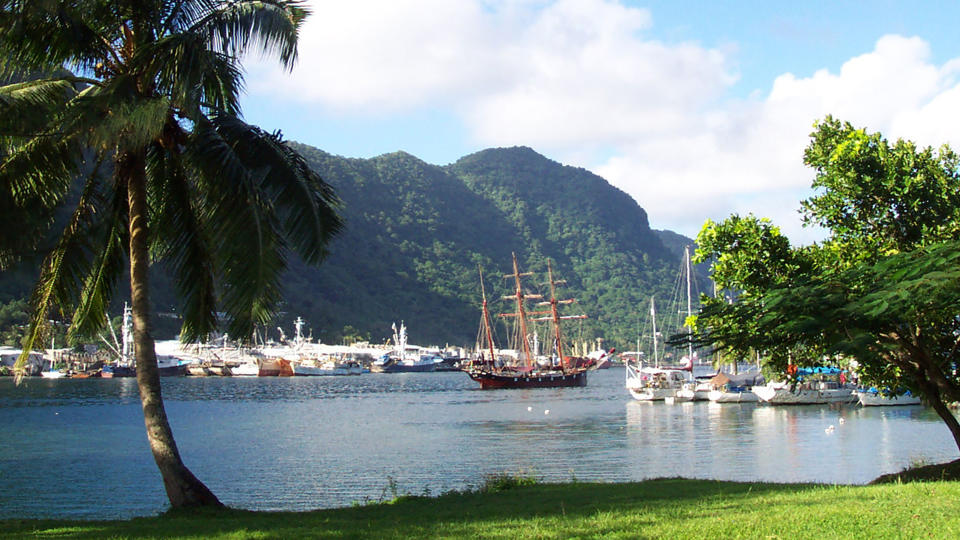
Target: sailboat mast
[556, 317]
[653, 320]
[521, 314]
[686, 256]
[487, 324]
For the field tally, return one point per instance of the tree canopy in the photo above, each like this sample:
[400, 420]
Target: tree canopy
[140, 102]
[880, 294]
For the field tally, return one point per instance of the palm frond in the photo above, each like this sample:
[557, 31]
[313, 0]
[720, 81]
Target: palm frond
[26, 108]
[305, 205]
[44, 35]
[181, 241]
[249, 246]
[105, 271]
[182, 64]
[41, 170]
[270, 25]
[62, 272]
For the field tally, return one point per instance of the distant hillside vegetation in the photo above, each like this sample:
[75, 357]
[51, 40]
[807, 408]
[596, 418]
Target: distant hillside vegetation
[416, 234]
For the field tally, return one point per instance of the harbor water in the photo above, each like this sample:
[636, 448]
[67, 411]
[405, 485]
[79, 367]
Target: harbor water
[77, 448]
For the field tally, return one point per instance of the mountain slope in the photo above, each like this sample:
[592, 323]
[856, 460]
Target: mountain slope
[417, 232]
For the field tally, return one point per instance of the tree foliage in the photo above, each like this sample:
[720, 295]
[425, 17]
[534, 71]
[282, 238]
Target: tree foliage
[137, 103]
[880, 293]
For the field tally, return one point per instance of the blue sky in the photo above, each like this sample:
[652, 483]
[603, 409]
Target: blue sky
[696, 109]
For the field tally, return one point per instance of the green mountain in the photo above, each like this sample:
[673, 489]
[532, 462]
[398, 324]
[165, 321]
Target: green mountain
[416, 234]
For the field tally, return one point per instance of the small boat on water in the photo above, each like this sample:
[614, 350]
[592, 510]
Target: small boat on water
[734, 387]
[871, 397]
[328, 368]
[527, 368]
[54, 374]
[780, 393]
[657, 384]
[811, 386]
[406, 359]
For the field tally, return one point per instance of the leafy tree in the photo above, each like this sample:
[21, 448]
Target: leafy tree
[148, 119]
[881, 292]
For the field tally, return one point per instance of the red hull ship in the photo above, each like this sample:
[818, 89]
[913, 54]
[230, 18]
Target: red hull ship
[490, 380]
[527, 370]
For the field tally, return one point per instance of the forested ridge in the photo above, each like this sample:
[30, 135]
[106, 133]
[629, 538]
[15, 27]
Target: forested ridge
[416, 233]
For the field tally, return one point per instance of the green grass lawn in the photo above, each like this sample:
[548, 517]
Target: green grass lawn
[666, 508]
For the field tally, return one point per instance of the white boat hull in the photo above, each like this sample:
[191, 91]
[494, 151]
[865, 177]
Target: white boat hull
[53, 374]
[782, 395]
[718, 396]
[871, 399]
[247, 369]
[652, 394]
[690, 394]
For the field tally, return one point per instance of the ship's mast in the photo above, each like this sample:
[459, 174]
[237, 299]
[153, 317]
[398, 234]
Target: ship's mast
[487, 324]
[554, 314]
[653, 319]
[521, 313]
[686, 257]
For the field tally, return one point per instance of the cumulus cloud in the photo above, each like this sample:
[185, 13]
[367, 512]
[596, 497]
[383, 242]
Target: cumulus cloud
[578, 79]
[747, 156]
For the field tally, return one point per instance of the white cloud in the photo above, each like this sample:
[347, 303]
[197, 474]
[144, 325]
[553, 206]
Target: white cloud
[577, 79]
[747, 156]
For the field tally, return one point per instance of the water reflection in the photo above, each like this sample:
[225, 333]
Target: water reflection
[317, 442]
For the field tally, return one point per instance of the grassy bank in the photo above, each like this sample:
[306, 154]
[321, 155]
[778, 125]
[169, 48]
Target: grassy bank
[668, 508]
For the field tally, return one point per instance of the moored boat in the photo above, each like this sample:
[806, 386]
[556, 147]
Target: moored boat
[734, 388]
[656, 384]
[871, 397]
[527, 368]
[779, 393]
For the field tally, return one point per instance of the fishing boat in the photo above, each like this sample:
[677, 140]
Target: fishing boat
[527, 368]
[406, 358]
[124, 366]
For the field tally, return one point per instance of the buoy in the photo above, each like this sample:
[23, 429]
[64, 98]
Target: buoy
[546, 411]
[529, 408]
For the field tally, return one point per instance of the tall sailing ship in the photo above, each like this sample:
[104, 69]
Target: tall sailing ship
[527, 368]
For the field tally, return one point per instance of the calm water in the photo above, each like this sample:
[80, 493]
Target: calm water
[77, 448]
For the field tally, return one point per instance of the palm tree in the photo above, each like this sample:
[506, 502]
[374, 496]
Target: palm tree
[136, 102]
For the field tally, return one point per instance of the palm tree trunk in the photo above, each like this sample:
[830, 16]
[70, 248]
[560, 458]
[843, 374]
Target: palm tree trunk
[183, 488]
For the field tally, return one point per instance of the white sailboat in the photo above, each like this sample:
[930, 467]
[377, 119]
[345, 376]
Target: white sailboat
[656, 382]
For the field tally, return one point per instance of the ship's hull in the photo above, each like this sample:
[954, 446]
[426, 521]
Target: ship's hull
[275, 367]
[110, 372]
[744, 396]
[408, 368]
[873, 399]
[776, 395]
[489, 380]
